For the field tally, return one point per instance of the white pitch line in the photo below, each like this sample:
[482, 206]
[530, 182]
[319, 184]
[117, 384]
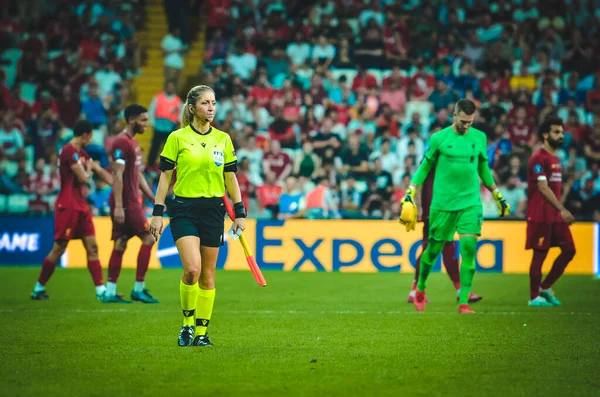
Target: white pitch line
[296, 312]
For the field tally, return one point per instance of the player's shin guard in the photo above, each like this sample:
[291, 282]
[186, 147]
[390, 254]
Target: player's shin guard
[535, 272]
[204, 308]
[433, 250]
[558, 267]
[95, 269]
[114, 266]
[468, 247]
[188, 295]
[47, 270]
[143, 261]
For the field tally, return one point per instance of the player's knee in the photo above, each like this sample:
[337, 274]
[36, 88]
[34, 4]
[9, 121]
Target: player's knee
[92, 249]
[191, 275]
[147, 239]
[60, 247]
[569, 252]
[121, 244]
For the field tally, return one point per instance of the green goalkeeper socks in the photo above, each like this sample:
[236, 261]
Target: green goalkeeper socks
[433, 250]
[468, 247]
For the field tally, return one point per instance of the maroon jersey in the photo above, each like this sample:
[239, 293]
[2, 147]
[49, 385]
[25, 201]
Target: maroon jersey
[543, 166]
[125, 150]
[427, 194]
[278, 162]
[71, 193]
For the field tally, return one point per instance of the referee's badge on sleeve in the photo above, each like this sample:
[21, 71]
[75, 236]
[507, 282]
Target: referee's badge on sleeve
[218, 157]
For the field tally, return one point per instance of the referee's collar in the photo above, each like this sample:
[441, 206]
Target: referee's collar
[201, 133]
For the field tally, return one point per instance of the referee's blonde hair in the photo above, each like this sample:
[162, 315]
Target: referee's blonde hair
[187, 116]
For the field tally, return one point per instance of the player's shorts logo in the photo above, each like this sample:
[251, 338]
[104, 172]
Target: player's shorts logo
[541, 241]
[218, 158]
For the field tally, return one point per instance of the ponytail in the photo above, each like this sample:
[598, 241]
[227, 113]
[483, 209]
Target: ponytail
[185, 117]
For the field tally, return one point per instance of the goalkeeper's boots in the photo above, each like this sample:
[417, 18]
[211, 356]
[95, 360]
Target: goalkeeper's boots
[420, 301]
[186, 336]
[465, 309]
[548, 294]
[540, 301]
[39, 295]
[411, 297]
[143, 296]
[202, 340]
[113, 299]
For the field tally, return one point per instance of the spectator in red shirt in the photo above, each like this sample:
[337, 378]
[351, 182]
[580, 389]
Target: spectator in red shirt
[262, 93]
[69, 107]
[422, 83]
[246, 187]
[363, 79]
[268, 195]
[283, 131]
[494, 84]
[90, 46]
[277, 162]
[219, 13]
[521, 132]
[45, 101]
[21, 108]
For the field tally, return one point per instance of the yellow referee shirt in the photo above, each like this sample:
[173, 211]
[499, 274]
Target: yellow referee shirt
[200, 160]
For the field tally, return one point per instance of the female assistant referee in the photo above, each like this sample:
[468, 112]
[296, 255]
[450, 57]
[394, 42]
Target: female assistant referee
[205, 161]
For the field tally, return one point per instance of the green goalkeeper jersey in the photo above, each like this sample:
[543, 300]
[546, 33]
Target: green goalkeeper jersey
[459, 161]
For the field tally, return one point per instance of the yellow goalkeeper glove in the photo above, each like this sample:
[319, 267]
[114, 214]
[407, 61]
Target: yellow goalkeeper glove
[408, 210]
[503, 206]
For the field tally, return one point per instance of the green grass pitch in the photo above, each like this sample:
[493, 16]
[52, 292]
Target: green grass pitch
[305, 334]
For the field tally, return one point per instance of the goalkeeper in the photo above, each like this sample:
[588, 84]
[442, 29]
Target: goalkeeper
[459, 154]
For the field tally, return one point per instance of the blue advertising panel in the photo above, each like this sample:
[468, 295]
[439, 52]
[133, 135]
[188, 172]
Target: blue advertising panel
[25, 241]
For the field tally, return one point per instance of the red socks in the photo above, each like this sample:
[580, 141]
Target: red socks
[46, 272]
[142, 262]
[114, 266]
[96, 271]
[558, 267]
[535, 273]
[451, 263]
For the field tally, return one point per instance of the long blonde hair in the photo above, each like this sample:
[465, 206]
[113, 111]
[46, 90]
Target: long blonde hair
[187, 117]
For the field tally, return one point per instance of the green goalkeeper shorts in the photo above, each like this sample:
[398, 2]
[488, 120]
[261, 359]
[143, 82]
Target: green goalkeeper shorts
[443, 224]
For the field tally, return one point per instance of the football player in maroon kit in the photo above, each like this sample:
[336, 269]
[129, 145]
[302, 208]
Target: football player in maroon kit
[126, 211]
[547, 219]
[449, 258]
[73, 218]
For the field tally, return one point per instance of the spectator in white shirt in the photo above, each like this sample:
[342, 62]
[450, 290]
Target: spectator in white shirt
[107, 77]
[411, 138]
[298, 51]
[389, 160]
[242, 63]
[255, 156]
[173, 47]
[323, 52]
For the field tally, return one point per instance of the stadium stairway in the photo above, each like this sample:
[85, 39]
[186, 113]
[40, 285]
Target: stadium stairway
[151, 80]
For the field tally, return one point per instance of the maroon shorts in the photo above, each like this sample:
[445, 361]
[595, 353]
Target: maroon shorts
[542, 236]
[70, 224]
[136, 223]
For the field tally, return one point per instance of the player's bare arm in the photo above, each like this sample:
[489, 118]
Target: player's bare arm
[156, 224]
[146, 188]
[118, 169]
[83, 174]
[233, 188]
[102, 173]
[551, 198]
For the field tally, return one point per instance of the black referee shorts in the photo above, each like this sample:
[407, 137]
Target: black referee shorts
[201, 217]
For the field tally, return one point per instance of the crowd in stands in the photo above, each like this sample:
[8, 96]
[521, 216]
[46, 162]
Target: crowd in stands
[331, 103]
[60, 61]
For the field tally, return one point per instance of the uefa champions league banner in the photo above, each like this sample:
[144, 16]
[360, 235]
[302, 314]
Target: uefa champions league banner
[306, 245]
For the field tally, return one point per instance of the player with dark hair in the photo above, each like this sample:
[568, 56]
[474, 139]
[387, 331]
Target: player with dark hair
[459, 154]
[449, 258]
[126, 211]
[73, 218]
[206, 163]
[547, 219]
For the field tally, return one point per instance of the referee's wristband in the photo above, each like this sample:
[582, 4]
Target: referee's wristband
[158, 210]
[240, 210]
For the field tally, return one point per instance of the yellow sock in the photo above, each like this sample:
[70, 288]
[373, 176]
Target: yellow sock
[204, 308]
[188, 295]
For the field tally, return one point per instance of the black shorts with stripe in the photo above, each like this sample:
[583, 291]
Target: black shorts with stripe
[201, 217]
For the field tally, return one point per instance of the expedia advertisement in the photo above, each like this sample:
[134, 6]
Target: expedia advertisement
[307, 245]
